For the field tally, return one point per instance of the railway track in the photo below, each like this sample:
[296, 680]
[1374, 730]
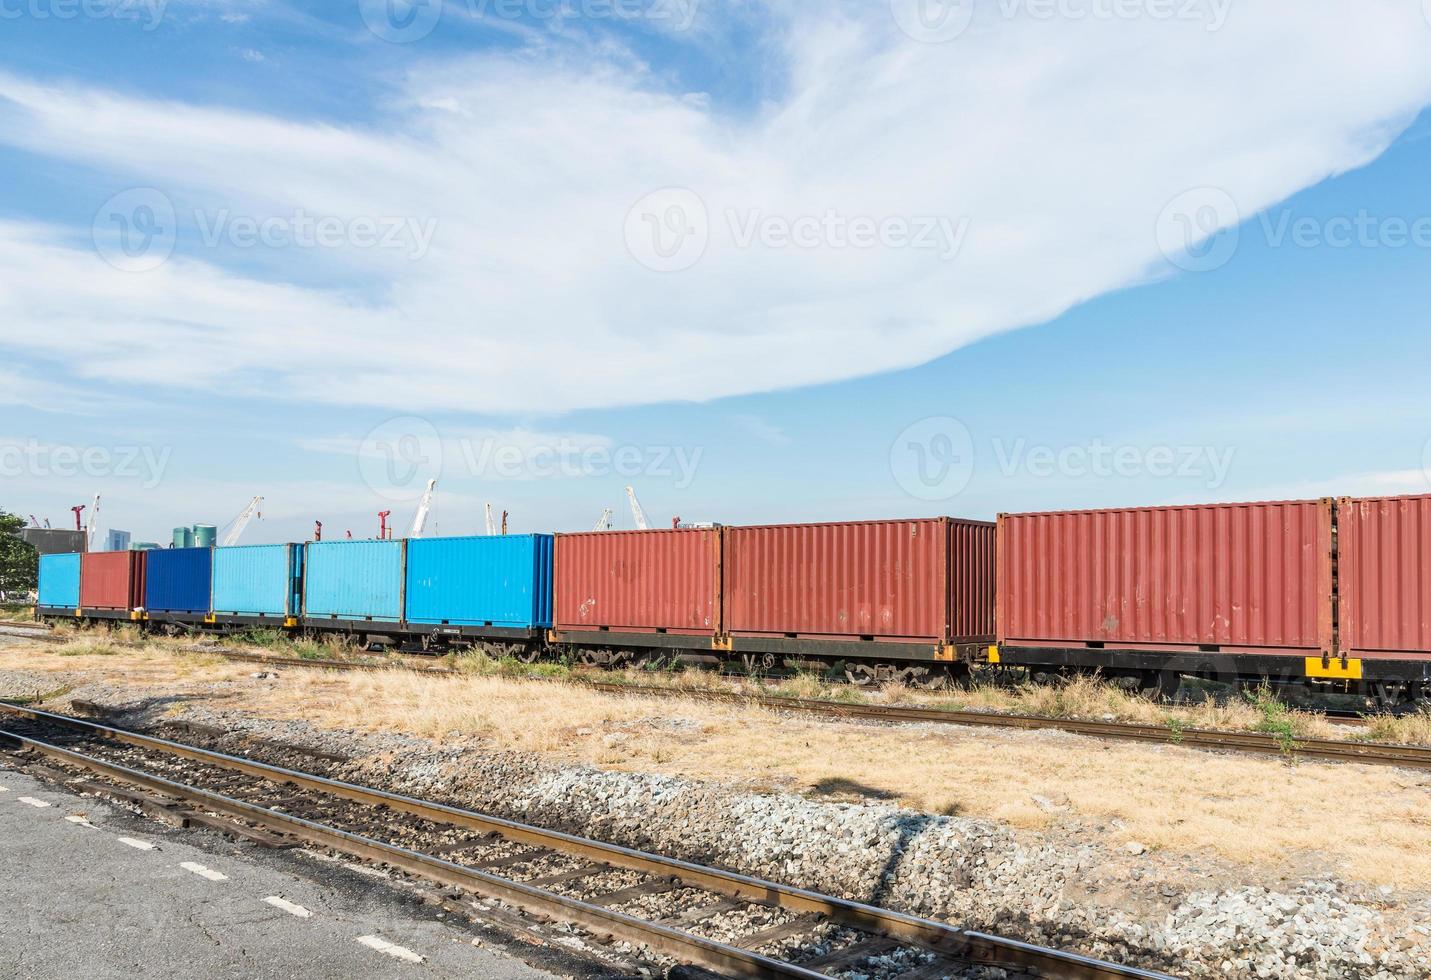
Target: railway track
[678, 911]
[1334, 750]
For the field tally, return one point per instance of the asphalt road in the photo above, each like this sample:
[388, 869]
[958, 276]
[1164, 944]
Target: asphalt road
[122, 898]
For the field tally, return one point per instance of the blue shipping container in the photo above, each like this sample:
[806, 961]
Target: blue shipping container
[357, 580]
[488, 581]
[59, 581]
[177, 580]
[258, 580]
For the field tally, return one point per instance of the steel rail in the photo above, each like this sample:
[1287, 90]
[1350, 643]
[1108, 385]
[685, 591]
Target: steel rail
[972, 947]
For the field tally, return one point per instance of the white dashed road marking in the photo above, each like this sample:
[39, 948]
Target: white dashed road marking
[82, 821]
[287, 906]
[138, 845]
[391, 949]
[204, 872]
[38, 804]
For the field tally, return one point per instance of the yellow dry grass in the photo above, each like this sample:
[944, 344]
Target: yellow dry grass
[1368, 823]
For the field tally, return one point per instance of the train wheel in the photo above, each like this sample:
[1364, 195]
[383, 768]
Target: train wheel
[860, 674]
[529, 653]
[924, 676]
[1160, 685]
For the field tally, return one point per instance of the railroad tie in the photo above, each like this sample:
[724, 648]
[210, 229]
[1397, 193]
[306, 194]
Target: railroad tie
[657, 887]
[842, 959]
[796, 926]
[692, 916]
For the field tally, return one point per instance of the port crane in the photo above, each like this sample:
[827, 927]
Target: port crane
[424, 508]
[637, 514]
[240, 523]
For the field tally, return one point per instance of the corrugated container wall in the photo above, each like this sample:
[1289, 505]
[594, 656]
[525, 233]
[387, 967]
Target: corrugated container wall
[258, 580]
[1239, 577]
[502, 580]
[883, 580]
[1384, 577]
[112, 580]
[59, 581]
[971, 581]
[358, 580]
[177, 580]
[639, 581]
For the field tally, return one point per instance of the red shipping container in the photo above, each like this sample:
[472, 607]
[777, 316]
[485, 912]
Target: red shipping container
[639, 581]
[1384, 577]
[112, 580]
[1253, 578]
[927, 581]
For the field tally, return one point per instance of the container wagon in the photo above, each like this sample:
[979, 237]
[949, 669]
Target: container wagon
[59, 586]
[258, 585]
[178, 585]
[622, 595]
[353, 585]
[112, 584]
[1384, 594]
[496, 590]
[1148, 593]
[904, 599]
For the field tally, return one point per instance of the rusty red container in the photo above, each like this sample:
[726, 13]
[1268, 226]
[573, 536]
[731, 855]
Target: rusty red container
[1236, 578]
[1384, 577]
[639, 581]
[927, 580]
[112, 580]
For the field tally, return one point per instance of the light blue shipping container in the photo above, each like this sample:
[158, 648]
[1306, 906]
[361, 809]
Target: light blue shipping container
[59, 581]
[358, 580]
[501, 581]
[258, 580]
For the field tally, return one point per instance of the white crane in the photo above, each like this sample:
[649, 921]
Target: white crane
[424, 507]
[240, 523]
[637, 514]
[89, 527]
[491, 524]
[603, 523]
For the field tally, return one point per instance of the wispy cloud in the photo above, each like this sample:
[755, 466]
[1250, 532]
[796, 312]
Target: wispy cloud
[1040, 154]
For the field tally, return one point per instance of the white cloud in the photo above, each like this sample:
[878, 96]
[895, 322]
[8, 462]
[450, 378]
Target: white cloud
[1052, 147]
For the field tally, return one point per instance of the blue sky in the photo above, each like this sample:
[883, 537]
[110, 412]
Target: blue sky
[1015, 330]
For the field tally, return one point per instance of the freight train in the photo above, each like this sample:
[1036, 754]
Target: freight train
[1330, 594]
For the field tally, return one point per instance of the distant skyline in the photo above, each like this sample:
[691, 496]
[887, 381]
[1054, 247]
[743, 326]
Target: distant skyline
[763, 262]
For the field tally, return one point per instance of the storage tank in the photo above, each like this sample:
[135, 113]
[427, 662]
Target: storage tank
[183, 538]
[205, 536]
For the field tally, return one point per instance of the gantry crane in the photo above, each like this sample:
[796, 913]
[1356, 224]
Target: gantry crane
[424, 507]
[637, 514]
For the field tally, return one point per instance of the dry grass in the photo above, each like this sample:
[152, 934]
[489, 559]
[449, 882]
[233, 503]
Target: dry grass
[1369, 823]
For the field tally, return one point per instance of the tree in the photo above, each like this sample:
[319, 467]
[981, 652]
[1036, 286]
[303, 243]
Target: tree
[19, 562]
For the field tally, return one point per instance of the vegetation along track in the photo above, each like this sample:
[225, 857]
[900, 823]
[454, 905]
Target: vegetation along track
[731, 923]
[1334, 750]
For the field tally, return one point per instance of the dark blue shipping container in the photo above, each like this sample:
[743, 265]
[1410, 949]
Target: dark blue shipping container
[177, 580]
[503, 581]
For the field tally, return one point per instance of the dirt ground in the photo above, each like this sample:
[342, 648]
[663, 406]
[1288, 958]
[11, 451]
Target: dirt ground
[1279, 821]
